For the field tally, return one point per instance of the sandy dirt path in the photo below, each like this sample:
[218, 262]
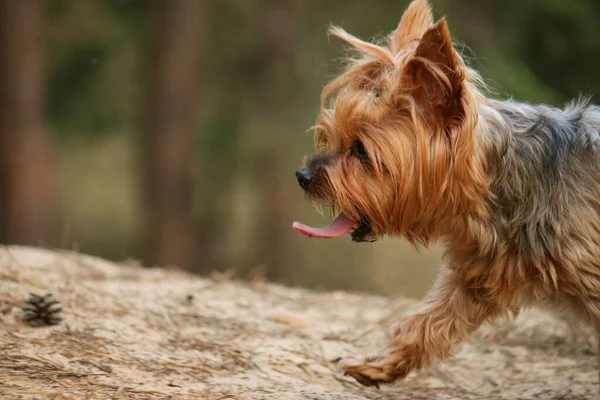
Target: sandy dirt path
[133, 333]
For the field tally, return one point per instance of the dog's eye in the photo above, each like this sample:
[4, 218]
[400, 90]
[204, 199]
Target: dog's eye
[376, 92]
[358, 150]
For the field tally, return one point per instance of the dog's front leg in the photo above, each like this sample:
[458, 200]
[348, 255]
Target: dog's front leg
[448, 314]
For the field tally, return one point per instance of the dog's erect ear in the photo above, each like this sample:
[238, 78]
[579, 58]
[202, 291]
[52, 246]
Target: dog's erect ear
[434, 76]
[414, 22]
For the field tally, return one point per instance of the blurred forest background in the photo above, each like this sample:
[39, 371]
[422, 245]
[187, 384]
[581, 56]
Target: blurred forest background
[169, 131]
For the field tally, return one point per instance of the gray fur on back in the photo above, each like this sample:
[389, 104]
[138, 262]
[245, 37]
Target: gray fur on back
[544, 168]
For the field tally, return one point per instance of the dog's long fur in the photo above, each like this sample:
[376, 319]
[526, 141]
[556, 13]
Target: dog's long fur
[512, 190]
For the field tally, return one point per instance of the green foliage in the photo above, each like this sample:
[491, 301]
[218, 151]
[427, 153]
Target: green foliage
[73, 91]
[93, 51]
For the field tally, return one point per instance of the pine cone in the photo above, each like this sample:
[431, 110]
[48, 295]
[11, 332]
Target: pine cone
[41, 310]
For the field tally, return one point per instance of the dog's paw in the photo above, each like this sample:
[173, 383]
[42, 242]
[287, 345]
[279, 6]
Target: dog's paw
[374, 370]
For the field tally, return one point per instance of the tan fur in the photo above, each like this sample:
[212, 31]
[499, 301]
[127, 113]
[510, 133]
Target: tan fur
[424, 98]
[445, 162]
[416, 20]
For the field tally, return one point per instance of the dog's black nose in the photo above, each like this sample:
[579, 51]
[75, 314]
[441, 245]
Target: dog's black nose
[304, 178]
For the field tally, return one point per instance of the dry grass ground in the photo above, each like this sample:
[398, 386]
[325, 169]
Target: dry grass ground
[133, 333]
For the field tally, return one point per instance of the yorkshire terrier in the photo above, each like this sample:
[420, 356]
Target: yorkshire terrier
[408, 145]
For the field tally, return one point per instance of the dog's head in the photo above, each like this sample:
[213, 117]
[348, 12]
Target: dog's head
[394, 136]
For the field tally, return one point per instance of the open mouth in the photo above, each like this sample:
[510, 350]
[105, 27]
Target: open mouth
[360, 231]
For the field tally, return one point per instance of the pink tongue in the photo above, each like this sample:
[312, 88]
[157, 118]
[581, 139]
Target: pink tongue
[338, 227]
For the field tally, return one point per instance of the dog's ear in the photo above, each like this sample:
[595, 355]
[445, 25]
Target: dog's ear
[434, 76]
[414, 22]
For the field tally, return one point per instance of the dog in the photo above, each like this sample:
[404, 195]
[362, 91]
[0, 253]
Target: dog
[409, 145]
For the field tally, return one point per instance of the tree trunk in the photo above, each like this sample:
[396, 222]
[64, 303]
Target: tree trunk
[170, 123]
[26, 175]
